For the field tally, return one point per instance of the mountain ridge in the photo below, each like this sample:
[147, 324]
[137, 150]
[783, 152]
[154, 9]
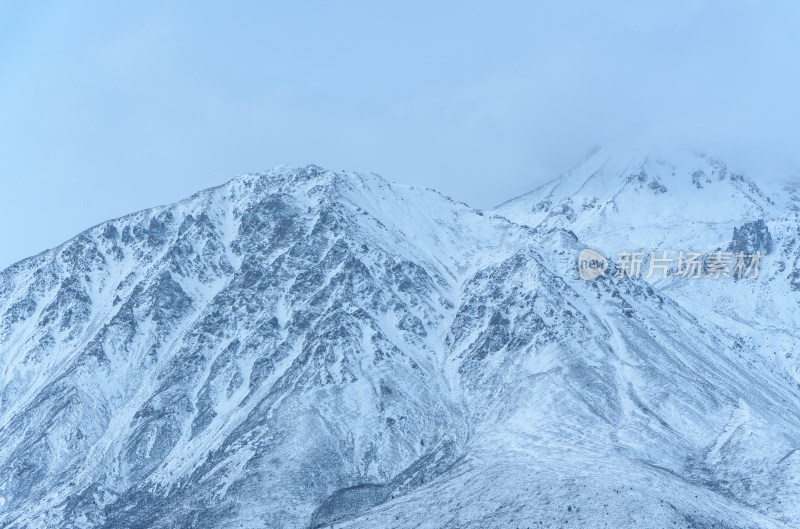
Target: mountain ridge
[308, 348]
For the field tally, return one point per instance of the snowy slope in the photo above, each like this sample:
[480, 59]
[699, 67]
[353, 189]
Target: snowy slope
[623, 201]
[306, 348]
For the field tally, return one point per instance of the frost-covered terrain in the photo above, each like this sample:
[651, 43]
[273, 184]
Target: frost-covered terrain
[306, 348]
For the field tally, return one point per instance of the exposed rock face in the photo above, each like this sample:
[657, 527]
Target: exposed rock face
[752, 237]
[307, 348]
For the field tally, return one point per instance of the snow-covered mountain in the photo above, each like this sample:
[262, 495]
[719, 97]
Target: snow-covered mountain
[305, 348]
[621, 201]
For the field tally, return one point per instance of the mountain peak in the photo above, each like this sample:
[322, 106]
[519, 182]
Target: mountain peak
[658, 170]
[615, 191]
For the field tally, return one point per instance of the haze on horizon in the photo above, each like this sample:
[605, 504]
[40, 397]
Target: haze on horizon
[109, 109]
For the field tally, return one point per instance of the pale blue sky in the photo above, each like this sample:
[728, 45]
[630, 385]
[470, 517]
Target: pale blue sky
[105, 110]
